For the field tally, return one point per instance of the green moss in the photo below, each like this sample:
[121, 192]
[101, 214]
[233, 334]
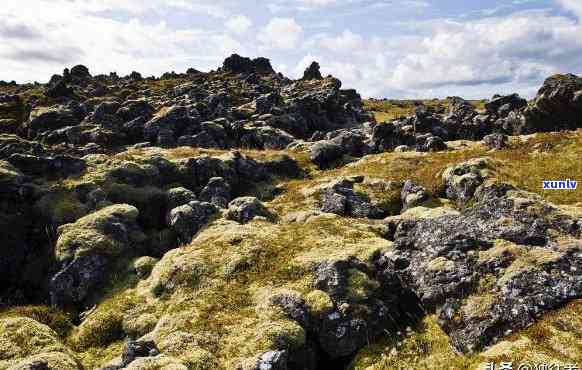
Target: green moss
[55, 319]
[104, 325]
[360, 286]
[426, 347]
[101, 328]
[319, 303]
[138, 326]
[282, 334]
[143, 266]
[22, 337]
[440, 264]
[187, 347]
[178, 268]
[89, 234]
[61, 207]
[54, 360]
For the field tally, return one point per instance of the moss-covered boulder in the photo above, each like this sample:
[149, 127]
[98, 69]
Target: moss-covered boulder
[85, 248]
[24, 341]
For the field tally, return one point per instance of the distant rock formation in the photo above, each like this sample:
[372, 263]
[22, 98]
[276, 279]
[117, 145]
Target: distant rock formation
[312, 72]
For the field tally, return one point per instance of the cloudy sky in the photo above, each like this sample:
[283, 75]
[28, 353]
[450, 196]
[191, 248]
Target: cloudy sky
[384, 48]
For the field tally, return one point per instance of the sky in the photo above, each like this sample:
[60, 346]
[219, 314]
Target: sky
[383, 48]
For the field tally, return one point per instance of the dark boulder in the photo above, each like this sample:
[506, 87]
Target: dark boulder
[167, 124]
[217, 192]
[413, 195]
[245, 209]
[367, 304]
[325, 154]
[80, 72]
[502, 105]
[134, 349]
[312, 72]
[388, 136]
[430, 143]
[496, 141]
[273, 360]
[60, 166]
[353, 141]
[508, 237]
[461, 181]
[189, 219]
[460, 109]
[51, 118]
[58, 88]
[133, 109]
[340, 198]
[557, 106]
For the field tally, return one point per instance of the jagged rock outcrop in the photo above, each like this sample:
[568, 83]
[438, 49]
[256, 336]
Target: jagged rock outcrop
[237, 64]
[447, 259]
[557, 106]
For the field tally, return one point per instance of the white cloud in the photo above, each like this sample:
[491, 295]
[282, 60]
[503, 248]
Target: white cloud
[63, 33]
[238, 24]
[214, 8]
[317, 2]
[281, 33]
[575, 6]
[491, 51]
[346, 42]
[277, 6]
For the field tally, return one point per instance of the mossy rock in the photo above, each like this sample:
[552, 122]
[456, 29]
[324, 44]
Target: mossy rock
[360, 286]
[319, 303]
[22, 337]
[143, 266]
[160, 362]
[186, 347]
[179, 268]
[97, 233]
[56, 319]
[138, 326]
[104, 325]
[54, 360]
[281, 334]
[9, 175]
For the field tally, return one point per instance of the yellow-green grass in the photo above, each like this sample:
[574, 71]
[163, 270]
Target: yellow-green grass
[391, 109]
[555, 338]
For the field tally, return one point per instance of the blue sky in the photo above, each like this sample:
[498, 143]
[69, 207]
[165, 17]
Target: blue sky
[384, 48]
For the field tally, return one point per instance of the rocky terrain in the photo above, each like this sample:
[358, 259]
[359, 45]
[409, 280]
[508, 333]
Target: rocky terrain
[238, 219]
